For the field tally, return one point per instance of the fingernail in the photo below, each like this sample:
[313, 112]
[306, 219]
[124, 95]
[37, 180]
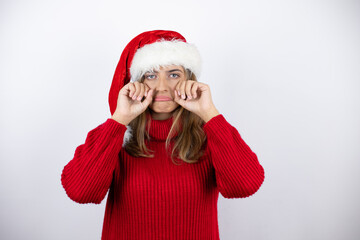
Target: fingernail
[134, 97]
[189, 97]
[139, 98]
[145, 94]
[183, 96]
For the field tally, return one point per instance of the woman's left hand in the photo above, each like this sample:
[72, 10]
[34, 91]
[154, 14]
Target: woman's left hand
[196, 97]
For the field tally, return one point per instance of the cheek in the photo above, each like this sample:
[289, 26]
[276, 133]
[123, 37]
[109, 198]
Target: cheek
[146, 82]
[174, 84]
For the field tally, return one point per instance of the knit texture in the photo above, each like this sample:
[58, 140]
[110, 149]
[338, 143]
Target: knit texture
[152, 198]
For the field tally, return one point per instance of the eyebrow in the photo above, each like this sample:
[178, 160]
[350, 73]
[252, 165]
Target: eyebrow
[172, 70]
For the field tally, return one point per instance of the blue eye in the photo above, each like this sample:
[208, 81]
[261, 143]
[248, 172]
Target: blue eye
[151, 76]
[177, 75]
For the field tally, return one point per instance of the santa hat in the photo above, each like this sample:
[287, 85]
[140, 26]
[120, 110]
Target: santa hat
[148, 51]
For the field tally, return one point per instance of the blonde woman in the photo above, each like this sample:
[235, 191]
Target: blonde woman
[166, 152]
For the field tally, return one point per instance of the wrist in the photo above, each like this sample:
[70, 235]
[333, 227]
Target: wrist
[208, 115]
[121, 119]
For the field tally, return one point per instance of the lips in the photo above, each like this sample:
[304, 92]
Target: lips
[163, 98]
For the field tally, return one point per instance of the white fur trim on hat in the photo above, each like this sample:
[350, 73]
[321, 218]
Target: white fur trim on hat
[163, 53]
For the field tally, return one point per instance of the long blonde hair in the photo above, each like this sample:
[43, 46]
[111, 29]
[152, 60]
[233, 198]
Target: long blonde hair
[189, 143]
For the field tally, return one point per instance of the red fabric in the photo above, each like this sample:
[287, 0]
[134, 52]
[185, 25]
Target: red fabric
[152, 198]
[122, 71]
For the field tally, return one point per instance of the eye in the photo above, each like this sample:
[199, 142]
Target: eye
[150, 76]
[174, 75]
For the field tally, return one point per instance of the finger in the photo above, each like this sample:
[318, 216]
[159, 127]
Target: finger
[178, 87]
[132, 89]
[149, 97]
[188, 87]
[146, 89]
[194, 89]
[182, 89]
[178, 98]
[142, 92]
[137, 90]
[203, 87]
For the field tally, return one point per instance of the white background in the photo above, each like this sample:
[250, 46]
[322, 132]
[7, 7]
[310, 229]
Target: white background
[284, 73]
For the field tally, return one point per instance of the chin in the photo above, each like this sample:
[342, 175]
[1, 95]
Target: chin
[162, 107]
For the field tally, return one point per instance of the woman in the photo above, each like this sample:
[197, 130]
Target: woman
[164, 176]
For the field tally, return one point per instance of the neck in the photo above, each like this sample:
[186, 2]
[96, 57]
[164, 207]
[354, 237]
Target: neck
[160, 129]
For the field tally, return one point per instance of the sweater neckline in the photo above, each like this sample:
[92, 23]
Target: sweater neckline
[160, 129]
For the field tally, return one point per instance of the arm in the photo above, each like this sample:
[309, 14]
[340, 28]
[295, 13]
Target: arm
[237, 170]
[87, 177]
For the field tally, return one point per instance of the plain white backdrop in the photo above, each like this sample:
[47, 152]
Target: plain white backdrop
[286, 74]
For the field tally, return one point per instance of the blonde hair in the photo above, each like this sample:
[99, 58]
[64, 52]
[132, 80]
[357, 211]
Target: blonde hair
[189, 143]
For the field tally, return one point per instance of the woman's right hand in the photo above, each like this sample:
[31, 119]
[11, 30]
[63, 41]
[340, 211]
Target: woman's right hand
[128, 107]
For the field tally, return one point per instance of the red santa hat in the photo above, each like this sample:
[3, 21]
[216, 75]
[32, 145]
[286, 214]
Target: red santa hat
[148, 51]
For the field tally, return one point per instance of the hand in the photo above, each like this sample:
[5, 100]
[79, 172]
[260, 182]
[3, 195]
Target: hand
[196, 98]
[128, 107]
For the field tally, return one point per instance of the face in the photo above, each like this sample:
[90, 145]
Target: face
[164, 83]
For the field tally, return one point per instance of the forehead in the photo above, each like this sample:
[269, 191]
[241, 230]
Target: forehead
[170, 67]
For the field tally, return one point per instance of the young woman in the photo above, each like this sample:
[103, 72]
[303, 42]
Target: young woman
[165, 153]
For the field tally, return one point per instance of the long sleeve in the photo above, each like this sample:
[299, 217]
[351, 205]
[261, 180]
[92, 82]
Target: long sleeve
[238, 172]
[87, 177]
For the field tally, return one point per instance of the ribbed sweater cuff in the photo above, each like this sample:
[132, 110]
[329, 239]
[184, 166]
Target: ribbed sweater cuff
[215, 125]
[113, 127]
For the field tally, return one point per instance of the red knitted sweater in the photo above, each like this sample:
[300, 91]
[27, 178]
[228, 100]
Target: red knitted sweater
[152, 198]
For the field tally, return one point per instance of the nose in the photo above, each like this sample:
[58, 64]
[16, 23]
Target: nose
[162, 84]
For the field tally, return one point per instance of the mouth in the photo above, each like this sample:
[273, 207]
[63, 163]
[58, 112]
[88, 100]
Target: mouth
[162, 99]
